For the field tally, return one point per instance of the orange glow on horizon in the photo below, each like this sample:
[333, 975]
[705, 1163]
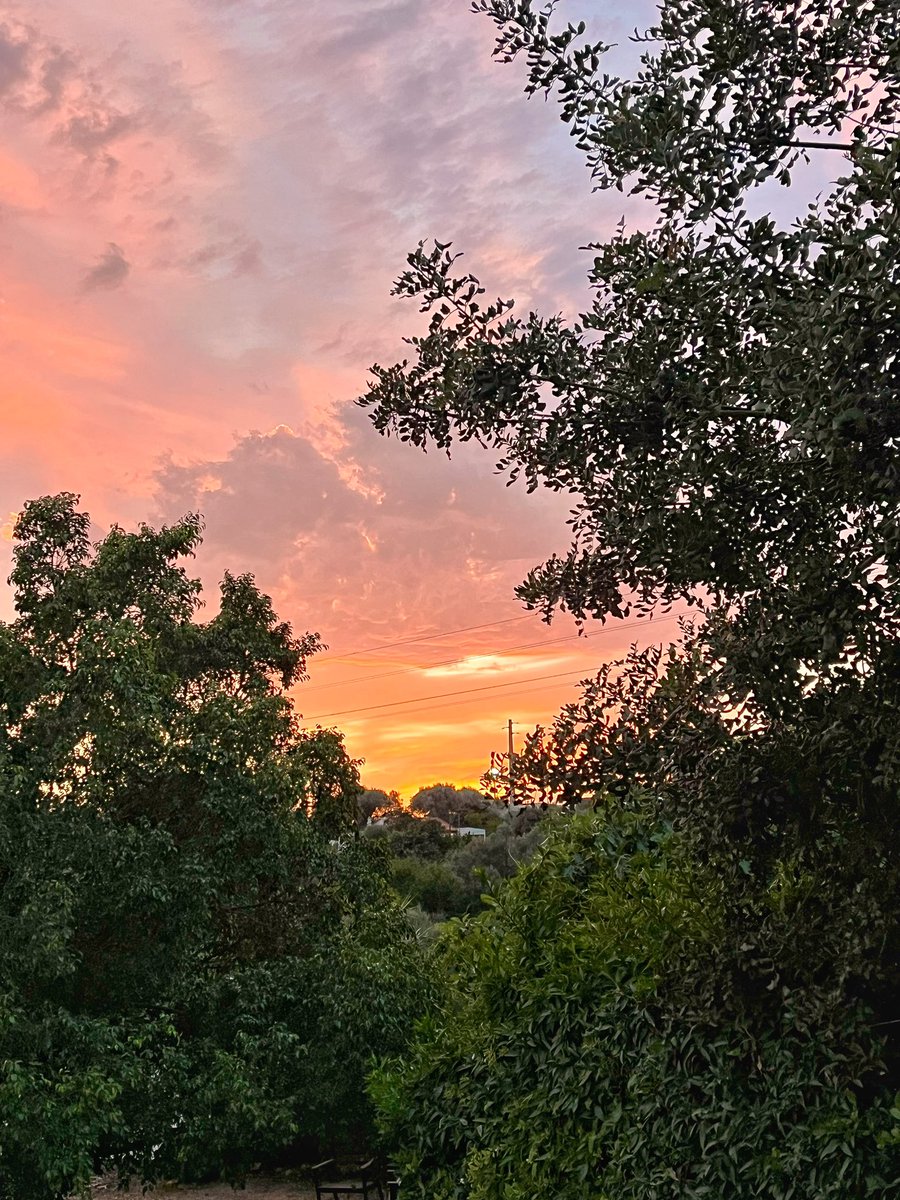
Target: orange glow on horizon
[417, 723]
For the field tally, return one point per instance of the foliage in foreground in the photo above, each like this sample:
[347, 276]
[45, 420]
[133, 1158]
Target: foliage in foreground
[598, 1041]
[196, 955]
[725, 419]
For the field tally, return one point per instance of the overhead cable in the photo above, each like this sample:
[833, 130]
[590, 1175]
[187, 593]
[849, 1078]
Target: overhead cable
[428, 637]
[488, 687]
[450, 662]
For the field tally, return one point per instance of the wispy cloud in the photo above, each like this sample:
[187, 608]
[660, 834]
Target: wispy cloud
[495, 665]
[254, 181]
[109, 271]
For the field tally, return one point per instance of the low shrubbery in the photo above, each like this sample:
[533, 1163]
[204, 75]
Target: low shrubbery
[441, 875]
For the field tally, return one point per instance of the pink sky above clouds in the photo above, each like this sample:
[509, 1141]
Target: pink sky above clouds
[203, 204]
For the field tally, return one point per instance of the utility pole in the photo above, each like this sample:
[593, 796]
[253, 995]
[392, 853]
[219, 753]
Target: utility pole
[511, 795]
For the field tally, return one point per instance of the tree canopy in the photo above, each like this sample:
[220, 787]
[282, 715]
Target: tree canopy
[725, 415]
[448, 802]
[374, 803]
[197, 955]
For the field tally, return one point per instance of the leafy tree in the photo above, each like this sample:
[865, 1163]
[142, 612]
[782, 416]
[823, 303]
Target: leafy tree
[196, 953]
[374, 803]
[333, 789]
[448, 802]
[597, 1040]
[726, 413]
[406, 836]
[725, 419]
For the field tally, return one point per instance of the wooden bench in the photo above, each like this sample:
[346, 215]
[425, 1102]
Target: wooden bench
[393, 1186]
[368, 1181]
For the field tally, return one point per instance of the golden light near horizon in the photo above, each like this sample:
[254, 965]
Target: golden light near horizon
[426, 718]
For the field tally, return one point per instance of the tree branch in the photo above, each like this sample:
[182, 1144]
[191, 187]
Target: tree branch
[847, 147]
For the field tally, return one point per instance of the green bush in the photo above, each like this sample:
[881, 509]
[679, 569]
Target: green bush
[597, 1039]
[431, 886]
[406, 836]
[456, 885]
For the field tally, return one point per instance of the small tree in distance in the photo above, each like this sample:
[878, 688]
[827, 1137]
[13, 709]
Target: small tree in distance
[449, 803]
[373, 804]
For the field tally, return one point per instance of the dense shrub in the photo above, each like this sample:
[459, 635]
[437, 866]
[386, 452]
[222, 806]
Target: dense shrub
[405, 836]
[456, 883]
[597, 1039]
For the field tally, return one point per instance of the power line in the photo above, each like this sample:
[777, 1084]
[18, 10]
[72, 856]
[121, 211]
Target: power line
[455, 703]
[446, 662]
[430, 637]
[462, 691]
[450, 662]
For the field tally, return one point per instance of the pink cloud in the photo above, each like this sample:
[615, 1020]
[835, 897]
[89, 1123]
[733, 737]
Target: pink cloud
[204, 204]
[380, 539]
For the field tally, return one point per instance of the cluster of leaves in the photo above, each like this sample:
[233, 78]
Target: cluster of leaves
[726, 418]
[597, 1039]
[728, 95]
[196, 954]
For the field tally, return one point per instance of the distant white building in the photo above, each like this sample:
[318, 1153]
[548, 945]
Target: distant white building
[468, 831]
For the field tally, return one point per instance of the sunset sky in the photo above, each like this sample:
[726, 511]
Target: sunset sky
[203, 204]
